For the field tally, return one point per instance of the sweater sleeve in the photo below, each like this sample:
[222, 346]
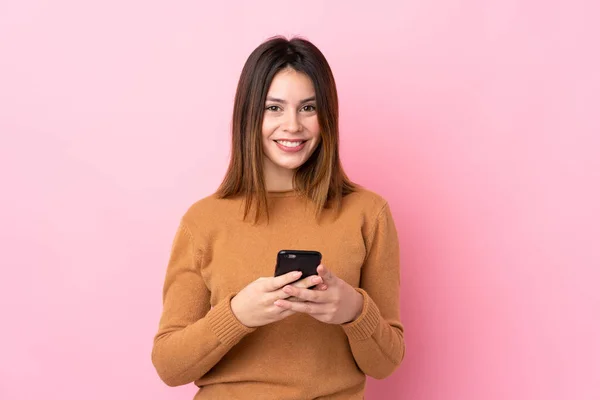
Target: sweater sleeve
[377, 337]
[191, 337]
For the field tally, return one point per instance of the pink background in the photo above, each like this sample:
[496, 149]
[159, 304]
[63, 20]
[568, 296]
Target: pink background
[478, 120]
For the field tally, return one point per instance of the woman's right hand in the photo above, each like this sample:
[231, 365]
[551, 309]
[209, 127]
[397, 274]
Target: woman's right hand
[254, 305]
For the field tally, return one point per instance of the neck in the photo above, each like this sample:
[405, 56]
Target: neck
[278, 179]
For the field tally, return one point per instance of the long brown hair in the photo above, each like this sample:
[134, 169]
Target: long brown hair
[321, 178]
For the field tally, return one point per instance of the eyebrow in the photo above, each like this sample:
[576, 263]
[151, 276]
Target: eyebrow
[285, 102]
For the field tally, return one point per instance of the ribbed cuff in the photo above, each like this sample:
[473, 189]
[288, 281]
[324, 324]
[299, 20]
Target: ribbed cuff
[225, 325]
[363, 327]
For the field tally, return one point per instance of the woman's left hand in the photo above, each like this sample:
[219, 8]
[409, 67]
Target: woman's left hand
[336, 303]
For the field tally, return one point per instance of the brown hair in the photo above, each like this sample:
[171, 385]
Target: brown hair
[321, 178]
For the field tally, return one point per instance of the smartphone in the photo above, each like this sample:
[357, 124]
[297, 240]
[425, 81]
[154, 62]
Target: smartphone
[305, 261]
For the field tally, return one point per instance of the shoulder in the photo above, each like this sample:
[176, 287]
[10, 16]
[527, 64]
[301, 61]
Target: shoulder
[365, 200]
[210, 210]
[374, 212]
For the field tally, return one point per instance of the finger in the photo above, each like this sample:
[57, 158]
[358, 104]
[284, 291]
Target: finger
[279, 294]
[283, 314]
[309, 281]
[305, 307]
[305, 294]
[321, 287]
[286, 313]
[272, 284]
[326, 274]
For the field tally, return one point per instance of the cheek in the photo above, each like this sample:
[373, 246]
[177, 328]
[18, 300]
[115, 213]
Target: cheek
[313, 125]
[268, 127]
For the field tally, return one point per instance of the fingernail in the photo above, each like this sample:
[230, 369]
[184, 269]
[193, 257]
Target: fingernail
[297, 273]
[287, 289]
[316, 279]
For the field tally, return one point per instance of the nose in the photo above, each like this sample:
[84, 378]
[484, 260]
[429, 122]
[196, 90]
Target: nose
[292, 123]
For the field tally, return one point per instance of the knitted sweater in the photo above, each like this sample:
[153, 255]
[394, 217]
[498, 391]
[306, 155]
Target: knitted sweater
[216, 253]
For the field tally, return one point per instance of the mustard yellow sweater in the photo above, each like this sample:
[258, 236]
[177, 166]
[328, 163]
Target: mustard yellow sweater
[215, 254]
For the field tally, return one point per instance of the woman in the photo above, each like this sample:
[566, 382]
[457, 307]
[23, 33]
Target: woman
[227, 324]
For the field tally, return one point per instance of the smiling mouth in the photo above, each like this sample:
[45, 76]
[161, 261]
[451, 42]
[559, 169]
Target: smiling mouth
[290, 146]
[290, 143]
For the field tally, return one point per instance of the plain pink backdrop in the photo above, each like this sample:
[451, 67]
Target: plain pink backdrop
[477, 120]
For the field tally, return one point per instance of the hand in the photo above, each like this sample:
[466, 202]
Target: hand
[254, 305]
[315, 282]
[338, 304]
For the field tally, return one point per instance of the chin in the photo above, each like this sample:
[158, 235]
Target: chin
[288, 165]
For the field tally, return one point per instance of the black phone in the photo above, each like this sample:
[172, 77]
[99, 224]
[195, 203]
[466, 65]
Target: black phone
[305, 261]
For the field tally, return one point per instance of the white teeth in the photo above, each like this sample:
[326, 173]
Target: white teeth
[288, 144]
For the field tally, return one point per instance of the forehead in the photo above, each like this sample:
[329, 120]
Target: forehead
[290, 84]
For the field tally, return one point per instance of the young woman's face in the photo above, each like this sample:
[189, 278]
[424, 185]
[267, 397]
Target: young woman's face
[290, 129]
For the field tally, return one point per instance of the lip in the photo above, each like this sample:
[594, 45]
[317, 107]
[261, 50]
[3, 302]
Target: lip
[291, 149]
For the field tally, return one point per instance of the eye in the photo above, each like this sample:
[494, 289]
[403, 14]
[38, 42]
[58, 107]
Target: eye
[273, 108]
[309, 108]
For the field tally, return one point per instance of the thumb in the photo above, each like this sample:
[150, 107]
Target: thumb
[325, 274]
